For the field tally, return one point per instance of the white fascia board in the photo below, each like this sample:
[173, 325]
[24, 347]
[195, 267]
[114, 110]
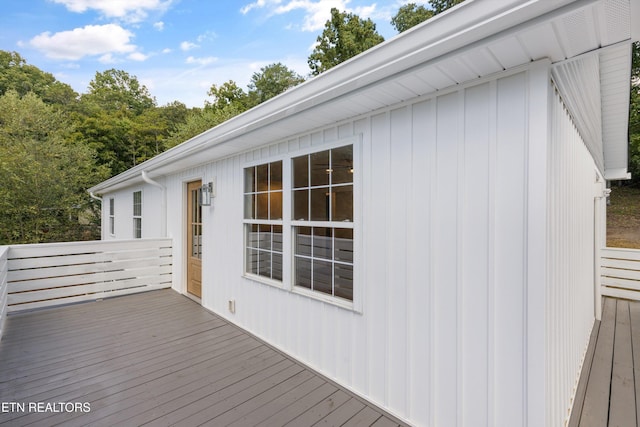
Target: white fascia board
[465, 26]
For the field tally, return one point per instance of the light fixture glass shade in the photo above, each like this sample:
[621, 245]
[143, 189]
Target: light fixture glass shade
[205, 194]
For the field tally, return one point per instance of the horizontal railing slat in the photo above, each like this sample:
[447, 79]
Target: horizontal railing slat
[620, 273]
[53, 249]
[75, 259]
[82, 298]
[60, 273]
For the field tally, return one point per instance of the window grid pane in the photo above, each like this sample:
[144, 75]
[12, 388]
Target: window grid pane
[262, 203]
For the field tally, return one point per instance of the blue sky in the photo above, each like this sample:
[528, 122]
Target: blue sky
[177, 48]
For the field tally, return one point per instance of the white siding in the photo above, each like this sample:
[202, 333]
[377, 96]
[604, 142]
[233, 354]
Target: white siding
[468, 203]
[123, 210]
[441, 337]
[570, 251]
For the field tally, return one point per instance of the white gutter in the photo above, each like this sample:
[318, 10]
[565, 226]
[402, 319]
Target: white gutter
[163, 205]
[93, 196]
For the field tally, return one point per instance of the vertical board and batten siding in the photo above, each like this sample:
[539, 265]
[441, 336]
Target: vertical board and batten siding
[4, 250]
[570, 259]
[440, 257]
[152, 226]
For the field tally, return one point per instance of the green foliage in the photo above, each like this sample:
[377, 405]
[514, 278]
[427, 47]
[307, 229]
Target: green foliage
[228, 94]
[634, 117]
[17, 75]
[439, 6]
[200, 120]
[116, 90]
[272, 80]
[44, 176]
[409, 16]
[345, 35]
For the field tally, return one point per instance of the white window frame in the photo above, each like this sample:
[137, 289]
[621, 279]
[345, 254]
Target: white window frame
[288, 224]
[112, 216]
[248, 222]
[137, 217]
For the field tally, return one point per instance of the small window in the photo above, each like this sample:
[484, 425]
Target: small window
[112, 217]
[263, 220]
[137, 214]
[322, 214]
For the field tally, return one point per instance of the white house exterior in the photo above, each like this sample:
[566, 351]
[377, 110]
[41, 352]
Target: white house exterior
[421, 223]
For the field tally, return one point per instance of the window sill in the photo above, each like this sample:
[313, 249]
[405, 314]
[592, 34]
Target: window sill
[338, 302]
[264, 280]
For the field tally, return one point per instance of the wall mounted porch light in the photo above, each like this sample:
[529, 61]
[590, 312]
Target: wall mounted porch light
[206, 194]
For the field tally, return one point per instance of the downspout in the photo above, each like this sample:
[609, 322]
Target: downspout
[163, 203]
[93, 196]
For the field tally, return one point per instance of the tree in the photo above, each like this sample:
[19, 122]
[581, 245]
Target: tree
[117, 90]
[228, 94]
[439, 6]
[634, 116]
[200, 120]
[409, 16]
[17, 75]
[345, 35]
[272, 80]
[43, 175]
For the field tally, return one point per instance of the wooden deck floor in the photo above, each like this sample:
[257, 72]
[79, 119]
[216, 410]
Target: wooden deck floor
[161, 359]
[609, 388]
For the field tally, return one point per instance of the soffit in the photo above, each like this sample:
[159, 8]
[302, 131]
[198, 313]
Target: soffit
[421, 62]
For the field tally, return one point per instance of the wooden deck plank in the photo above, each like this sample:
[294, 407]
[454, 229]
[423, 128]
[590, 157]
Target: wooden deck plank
[366, 417]
[622, 409]
[159, 358]
[320, 410]
[584, 377]
[342, 414]
[634, 316]
[595, 411]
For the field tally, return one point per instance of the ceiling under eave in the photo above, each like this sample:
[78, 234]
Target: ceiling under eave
[477, 39]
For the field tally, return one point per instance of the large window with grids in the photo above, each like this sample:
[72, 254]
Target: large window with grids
[322, 222]
[263, 220]
[137, 214]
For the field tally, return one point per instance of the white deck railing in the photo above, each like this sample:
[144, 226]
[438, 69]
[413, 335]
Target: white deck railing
[4, 250]
[620, 273]
[45, 275]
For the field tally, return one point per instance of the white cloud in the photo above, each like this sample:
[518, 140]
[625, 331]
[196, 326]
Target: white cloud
[316, 13]
[107, 58]
[138, 56]
[167, 50]
[185, 46]
[87, 41]
[128, 10]
[201, 61]
[158, 25]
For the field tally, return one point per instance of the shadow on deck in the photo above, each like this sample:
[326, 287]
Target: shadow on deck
[159, 358]
[606, 394]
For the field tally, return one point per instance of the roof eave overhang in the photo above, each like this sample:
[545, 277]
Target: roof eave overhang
[461, 28]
